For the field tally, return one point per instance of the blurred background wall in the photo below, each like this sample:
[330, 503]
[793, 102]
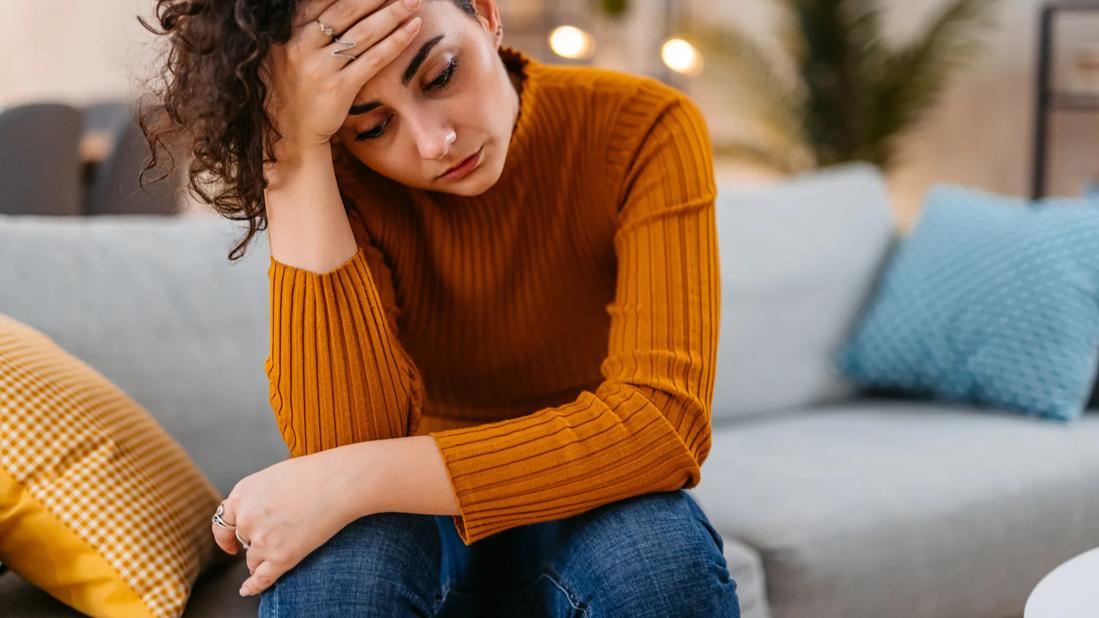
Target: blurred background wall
[71, 50]
[979, 134]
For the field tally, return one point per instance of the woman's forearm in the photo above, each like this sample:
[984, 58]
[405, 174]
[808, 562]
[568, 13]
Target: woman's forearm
[400, 475]
[307, 225]
[337, 375]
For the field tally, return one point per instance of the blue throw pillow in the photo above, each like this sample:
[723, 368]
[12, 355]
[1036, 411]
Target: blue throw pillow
[990, 300]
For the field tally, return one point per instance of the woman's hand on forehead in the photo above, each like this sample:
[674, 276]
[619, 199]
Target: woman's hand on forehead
[315, 76]
[312, 9]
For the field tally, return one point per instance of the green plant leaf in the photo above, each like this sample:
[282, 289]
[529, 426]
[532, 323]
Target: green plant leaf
[614, 8]
[758, 89]
[917, 74]
[853, 96]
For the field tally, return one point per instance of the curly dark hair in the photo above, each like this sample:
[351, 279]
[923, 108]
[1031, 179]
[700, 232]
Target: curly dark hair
[208, 99]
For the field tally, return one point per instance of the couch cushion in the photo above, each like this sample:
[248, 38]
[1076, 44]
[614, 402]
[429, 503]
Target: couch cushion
[899, 507]
[214, 596]
[798, 259]
[153, 304]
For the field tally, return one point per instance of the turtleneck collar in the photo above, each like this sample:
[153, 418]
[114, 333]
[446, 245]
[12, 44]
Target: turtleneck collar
[527, 68]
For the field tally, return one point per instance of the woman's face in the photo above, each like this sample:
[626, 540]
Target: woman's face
[458, 100]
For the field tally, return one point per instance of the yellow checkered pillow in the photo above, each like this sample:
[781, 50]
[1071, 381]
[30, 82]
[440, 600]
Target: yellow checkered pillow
[99, 505]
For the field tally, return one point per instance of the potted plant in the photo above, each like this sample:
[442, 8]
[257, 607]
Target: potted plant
[845, 94]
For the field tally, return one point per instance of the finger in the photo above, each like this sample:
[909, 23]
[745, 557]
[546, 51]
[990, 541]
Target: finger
[225, 539]
[343, 14]
[308, 12]
[367, 65]
[253, 559]
[265, 575]
[378, 25]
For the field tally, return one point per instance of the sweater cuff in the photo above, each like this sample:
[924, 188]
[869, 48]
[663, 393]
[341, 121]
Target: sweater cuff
[558, 462]
[277, 267]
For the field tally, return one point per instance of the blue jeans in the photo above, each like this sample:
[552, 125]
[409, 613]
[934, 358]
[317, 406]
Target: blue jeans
[654, 555]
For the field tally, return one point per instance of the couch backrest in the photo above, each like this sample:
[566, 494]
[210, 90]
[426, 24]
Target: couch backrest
[153, 304]
[798, 261]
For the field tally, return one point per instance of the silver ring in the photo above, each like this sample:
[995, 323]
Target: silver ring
[218, 521]
[245, 544]
[326, 29]
[341, 52]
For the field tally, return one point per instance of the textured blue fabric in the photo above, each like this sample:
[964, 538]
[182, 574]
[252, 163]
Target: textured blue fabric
[990, 300]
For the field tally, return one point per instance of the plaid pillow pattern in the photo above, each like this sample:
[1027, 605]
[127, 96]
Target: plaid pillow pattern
[99, 506]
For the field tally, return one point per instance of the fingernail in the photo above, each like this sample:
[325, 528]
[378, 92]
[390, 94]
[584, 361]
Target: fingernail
[411, 4]
[412, 23]
[243, 593]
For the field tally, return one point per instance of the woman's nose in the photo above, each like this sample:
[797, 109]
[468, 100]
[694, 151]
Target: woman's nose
[436, 145]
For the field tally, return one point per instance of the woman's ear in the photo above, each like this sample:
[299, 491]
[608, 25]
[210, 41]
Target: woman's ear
[489, 16]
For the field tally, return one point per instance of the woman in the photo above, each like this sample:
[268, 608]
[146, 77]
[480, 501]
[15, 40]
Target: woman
[494, 312]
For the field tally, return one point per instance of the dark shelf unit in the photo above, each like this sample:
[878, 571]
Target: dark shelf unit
[1049, 100]
[1074, 101]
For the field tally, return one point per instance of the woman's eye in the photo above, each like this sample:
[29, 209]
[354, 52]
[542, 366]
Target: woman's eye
[439, 82]
[372, 133]
[444, 78]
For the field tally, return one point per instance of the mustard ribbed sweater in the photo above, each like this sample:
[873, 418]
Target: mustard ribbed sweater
[556, 335]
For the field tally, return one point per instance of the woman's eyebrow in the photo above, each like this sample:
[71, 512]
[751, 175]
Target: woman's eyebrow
[409, 73]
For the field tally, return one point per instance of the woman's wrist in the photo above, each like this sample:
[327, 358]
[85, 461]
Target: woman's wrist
[307, 223]
[293, 160]
[353, 472]
[403, 475]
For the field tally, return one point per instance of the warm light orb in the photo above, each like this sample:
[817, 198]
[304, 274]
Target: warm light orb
[681, 57]
[571, 42]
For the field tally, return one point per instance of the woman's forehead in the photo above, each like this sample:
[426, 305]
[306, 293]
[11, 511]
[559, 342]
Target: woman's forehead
[401, 73]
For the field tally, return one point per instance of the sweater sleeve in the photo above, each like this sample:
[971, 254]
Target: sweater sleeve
[337, 373]
[646, 427]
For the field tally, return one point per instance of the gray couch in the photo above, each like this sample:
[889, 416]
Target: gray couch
[832, 502]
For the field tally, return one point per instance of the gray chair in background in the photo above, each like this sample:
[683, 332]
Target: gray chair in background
[104, 115]
[114, 187]
[40, 159]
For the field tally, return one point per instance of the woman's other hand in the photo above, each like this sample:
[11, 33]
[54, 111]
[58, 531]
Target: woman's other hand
[286, 511]
[311, 90]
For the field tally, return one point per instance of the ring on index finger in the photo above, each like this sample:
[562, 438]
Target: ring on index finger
[218, 521]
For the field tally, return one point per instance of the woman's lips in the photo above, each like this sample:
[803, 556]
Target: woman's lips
[465, 167]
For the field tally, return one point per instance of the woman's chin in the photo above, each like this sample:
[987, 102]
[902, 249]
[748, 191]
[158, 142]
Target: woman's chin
[479, 186]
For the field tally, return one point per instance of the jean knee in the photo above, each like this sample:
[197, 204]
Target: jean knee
[706, 593]
[653, 555]
[381, 564]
